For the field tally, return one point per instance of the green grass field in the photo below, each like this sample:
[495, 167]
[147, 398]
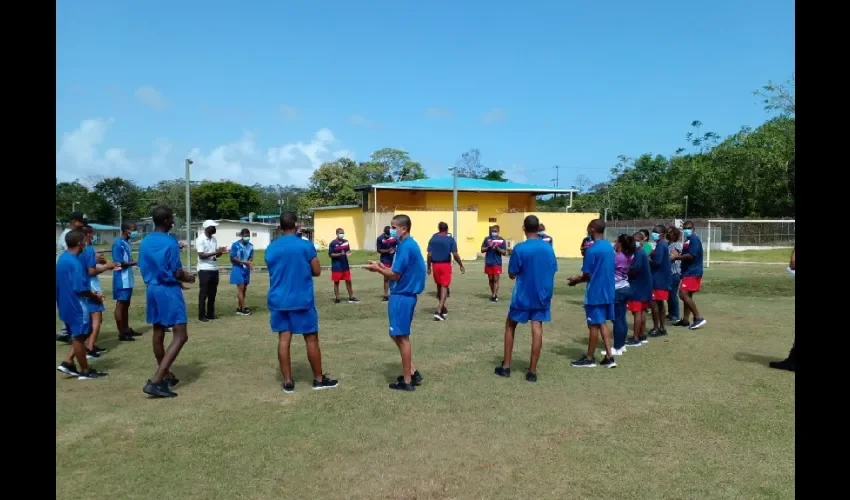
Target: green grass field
[695, 415]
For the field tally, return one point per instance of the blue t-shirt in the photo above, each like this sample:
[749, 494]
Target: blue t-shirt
[122, 252]
[339, 264]
[599, 264]
[290, 274]
[242, 252]
[660, 265]
[640, 277]
[441, 246]
[692, 246]
[71, 281]
[534, 264]
[410, 265]
[159, 259]
[385, 243]
[491, 256]
[88, 258]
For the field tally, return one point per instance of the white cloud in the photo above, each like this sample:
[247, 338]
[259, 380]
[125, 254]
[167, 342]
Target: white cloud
[438, 113]
[289, 113]
[495, 115]
[149, 96]
[82, 154]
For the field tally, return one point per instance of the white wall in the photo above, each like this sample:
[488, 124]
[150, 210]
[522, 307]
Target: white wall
[228, 232]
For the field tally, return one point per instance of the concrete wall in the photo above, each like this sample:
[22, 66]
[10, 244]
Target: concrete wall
[425, 223]
[566, 229]
[228, 232]
[351, 220]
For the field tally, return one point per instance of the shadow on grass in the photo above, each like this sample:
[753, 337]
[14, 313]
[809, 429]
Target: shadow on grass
[756, 358]
[517, 365]
[570, 353]
[301, 372]
[188, 373]
[392, 371]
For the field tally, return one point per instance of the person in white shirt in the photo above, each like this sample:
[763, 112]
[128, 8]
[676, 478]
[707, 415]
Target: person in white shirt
[76, 221]
[208, 251]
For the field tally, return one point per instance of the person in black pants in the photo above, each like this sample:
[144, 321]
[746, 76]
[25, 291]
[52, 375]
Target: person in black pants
[208, 251]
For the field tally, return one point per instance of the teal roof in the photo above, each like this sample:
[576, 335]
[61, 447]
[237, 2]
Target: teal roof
[465, 184]
[103, 227]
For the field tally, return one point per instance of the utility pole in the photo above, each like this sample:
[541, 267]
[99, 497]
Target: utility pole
[556, 180]
[120, 216]
[454, 202]
[188, 220]
[686, 207]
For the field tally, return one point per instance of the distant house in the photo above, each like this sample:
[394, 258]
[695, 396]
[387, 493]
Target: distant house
[229, 231]
[104, 234]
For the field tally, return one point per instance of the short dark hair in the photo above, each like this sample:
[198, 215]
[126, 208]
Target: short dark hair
[160, 214]
[660, 229]
[641, 234]
[627, 244]
[78, 216]
[443, 227]
[541, 226]
[74, 238]
[245, 232]
[687, 223]
[288, 220]
[387, 229]
[495, 226]
[127, 226]
[597, 225]
[645, 233]
[87, 229]
[403, 221]
[531, 224]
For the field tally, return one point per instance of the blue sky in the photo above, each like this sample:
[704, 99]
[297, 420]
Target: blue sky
[265, 91]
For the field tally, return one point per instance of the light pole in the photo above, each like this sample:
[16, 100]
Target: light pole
[686, 207]
[454, 202]
[120, 216]
[188, 220]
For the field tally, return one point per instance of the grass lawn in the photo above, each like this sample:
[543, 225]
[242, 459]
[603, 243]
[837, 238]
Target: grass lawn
[777, 255]
[695, 415]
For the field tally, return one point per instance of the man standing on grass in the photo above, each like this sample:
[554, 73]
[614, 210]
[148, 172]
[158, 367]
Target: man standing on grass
[533, 265]
[208, 252]
[73, 295]
[407, 277]
[162, 272]
[90, 260]
[493, 248]
[339, 250]
[691, 258]
[242, 263]
[292, 264]
[597, 271]
[77, 221]
[789, 363]
[442, 247]
[124, 280]
[386, 246]
[659, 263]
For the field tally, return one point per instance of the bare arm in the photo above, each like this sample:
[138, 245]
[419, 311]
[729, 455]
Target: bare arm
[792, 264]
[459, 262]
[315, 266]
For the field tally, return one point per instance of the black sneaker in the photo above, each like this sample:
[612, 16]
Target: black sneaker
[659, 333]
[698, 323]
[241, 312]
[438, 316]
[99, 350]
[92, 355]
[502, 371]
[671, 318]
[633, 342]
[160, 390]
[494, 299]
[608, 363]
[68, 369]
[91, 374]
[211, 318]
[126, 337]
[653, 333]
[353, 300]
[172, 380]
[445, 312]
[289, 388]
[644, 340]
[417, 378]
[203, 320]
[785, 364]
[402, 386]
[531, 377]
[682, 322]
[246, 311]
[133, 333]
[384, 298]
[337, 301]
[326, 383]
[584, 362]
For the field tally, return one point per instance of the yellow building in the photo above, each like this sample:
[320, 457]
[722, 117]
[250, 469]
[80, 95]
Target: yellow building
[428, 202]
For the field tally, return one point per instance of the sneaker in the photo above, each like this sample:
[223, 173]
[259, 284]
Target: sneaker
[385, 298]
[496, 299]
[99, 350]
[160, 390]
[91, 374]
[682, 322]
[671, 318]
[644, 339]
[530, 377]
[608, 363]
[92, 355]
[401, 386]
[353, 300]
[633, 342]
[211, 318]
[614, 352]
[584, 362]
[326, 383]
[68, 369]
[246, 311]
[133, 333]
[126, 337]
[241, 312]
[172, 380]
[438, 316]
[785, 364]
[289, 388]
[417, 378]
[653, 332]
[658, 333]
[445, 311]
[493, 299]
[502, 371]
[203, 320]
[337, 301]
[698, 323]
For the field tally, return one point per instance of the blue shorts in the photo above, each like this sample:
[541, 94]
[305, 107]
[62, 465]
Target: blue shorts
[302, 322]
[239, 276]
[122, 294]
[78, 328]
[94, 307]
[400, 309]
[526, 315]
[599, 314]
[165, 305]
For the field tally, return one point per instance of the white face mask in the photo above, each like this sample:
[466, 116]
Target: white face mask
[494, 234]
[341, 236]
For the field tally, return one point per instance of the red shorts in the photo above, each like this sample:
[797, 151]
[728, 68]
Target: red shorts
[660, 294]
[337, 276]
[491, 270]
[442, 273]
[691, 283]
[637, 306]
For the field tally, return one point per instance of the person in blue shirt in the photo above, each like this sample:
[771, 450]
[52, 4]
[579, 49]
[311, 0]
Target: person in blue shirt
[640, 282]
[73, 296]
[386, 246]
[242, 263]
[493, 247]
[597, 271]
[407, 277]
[442, 247]
[292, 264]
[165, 307]
[94, 264]
[659, 263]
[339, 250]
[691, 258]
[533, 265]
[123, 281]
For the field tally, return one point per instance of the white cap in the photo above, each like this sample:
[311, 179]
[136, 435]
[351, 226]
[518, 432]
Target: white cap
[209, 223]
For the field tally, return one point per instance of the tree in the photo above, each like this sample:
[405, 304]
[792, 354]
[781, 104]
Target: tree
[581, 183]
[225, 200]
[397, 165]
[333, 183]
[495, 175]
[469, 165]
[171, 194]
[121, 193]
[71, 195]
[778, 96]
